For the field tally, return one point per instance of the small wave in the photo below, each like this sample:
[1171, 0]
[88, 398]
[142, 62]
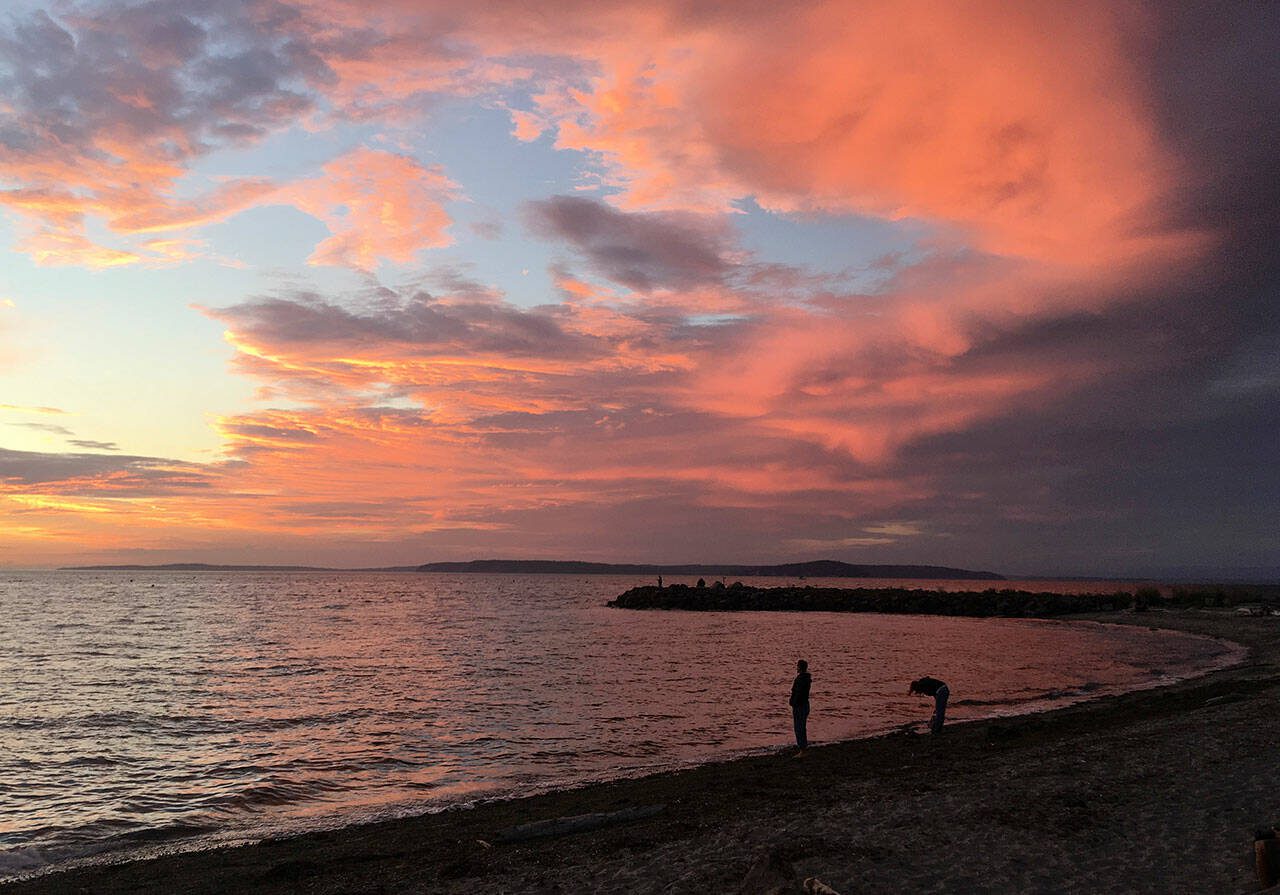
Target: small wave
[69, 845]
[171, 831]
[132, 720]
[1026, 699]
[88, 761]
[16, 861]
[311, 720]
[269, 795]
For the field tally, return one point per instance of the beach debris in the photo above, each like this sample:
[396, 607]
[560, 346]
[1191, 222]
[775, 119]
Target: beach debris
[579, 823]
[484, 844]
[1266, 856]
[1222, 700]
[772, 874]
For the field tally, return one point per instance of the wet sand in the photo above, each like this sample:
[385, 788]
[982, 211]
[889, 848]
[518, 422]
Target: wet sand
[1154, 791]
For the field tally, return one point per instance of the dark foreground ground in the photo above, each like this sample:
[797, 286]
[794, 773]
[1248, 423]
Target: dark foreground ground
[1158, 792]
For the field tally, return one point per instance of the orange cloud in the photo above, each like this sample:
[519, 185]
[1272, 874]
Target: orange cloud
[378, 205]
[675, 372]
[1031, 130]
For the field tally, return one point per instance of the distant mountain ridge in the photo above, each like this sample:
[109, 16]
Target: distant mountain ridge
[823, 568]
[209, 567]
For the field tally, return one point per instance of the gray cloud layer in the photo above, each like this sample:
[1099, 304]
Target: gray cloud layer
[103, 475]
[641, 251]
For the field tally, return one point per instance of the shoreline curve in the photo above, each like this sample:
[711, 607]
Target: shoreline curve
[245, 860]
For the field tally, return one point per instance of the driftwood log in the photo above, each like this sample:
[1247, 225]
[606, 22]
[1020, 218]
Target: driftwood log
[815, 886]
[772, 874]
[578, 823]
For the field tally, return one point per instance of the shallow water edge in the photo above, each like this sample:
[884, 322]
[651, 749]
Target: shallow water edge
[1231, 654]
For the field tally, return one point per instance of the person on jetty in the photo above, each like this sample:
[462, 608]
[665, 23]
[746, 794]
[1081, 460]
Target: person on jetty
[931, 686]
[800, 704]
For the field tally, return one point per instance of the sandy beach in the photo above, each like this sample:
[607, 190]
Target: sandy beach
[1154, 791]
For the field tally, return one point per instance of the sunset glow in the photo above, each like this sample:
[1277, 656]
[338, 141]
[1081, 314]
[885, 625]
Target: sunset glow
[315, 281]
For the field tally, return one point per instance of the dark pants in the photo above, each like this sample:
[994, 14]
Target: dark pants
[939, 709]
[800, 716]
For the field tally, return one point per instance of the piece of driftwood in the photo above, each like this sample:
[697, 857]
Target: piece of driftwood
[772, 874]
[578, 823]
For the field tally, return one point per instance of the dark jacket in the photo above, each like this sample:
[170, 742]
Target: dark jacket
[800, 689]
[929, 686]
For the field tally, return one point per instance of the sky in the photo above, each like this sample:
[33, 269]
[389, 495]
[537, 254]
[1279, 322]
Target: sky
[326, 282]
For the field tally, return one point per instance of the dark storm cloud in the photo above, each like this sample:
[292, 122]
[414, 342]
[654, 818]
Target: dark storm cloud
[1169, 460]
[641, 251]
[1048, 493]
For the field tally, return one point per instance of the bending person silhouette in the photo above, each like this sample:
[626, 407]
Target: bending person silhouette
[930, 686]
[800, 703]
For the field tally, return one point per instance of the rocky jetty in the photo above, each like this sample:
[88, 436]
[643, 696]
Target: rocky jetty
[738, 597]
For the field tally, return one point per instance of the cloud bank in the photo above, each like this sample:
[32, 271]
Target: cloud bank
[1073, 371]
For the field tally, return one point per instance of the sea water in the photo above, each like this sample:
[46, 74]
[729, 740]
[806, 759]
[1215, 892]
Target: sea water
[196, 708]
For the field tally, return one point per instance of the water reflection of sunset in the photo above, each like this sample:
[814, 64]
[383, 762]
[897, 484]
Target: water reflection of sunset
[233, 704]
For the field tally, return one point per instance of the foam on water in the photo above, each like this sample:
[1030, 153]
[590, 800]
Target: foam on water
[148, 711]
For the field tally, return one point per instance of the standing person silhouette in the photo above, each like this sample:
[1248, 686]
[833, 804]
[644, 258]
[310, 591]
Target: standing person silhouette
[800, 704]
[930, 686]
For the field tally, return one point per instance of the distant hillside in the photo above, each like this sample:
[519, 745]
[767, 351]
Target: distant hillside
[823, 568]
[199, 567]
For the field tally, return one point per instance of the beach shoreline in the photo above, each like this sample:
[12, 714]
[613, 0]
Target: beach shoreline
[1049, 801]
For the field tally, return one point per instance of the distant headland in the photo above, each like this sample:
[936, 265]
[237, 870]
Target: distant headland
[202, 567]
[823, 568]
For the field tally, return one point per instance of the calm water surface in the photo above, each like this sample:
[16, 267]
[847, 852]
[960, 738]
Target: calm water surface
[203, 707]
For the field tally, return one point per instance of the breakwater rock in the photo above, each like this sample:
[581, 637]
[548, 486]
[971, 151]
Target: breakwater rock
[741, 598]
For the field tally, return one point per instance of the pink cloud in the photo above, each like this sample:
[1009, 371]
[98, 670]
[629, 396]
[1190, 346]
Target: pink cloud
[106, 110]
[378, 205]
[1032, 131]
[1027, 140]
[1029, 131]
